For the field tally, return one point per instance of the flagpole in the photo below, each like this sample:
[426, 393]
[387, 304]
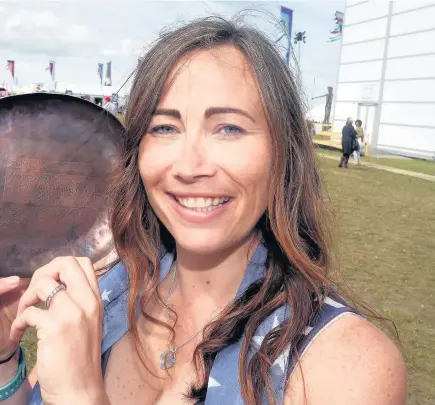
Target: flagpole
[53, 76]
[101, 73]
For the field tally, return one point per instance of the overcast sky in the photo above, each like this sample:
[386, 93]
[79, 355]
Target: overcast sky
[78, 34]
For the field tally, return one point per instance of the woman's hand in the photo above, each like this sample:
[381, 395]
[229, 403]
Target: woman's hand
[69, 332]
[11, 290]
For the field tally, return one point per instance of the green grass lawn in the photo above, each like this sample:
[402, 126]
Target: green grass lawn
[413, 165]
[385, 239]
[30, 348]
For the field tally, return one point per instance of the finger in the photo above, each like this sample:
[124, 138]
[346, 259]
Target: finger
[8, 284]
[51, 269]
[67, 271]
[9, 299]
[54, 268]
[45, 271]
[39, 293]
[32, 317]
[77, 283]
[89, 271]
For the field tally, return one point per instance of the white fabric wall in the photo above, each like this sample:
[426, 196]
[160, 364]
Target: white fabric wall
[410, 90]
[407, 110]
[411, 67]
[413, 21]
[344, 110]
[411, 44]
[365, 31]
[363, 51]
[358, 92]
[407, 121]
[405, 5]
[408, 114]
[366, 11]
[362, 71]
[399, 139]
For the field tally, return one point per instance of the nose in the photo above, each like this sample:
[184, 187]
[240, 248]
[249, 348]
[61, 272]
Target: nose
[193, 161]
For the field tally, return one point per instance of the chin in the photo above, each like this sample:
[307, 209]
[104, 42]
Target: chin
[203, 243]
[209, 242]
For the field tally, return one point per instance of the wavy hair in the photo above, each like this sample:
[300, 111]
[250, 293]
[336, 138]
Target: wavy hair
[292, 228]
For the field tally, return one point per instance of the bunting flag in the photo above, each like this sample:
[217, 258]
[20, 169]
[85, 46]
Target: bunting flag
[287, 21]
[108, 80]
[337, 29]
[300, 37]
[100, 72]
[51, 68]
[11, 67]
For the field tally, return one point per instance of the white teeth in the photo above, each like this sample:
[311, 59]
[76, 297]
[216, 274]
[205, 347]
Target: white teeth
[201, 203]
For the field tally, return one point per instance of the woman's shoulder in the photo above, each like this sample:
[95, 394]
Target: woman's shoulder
[350, 361]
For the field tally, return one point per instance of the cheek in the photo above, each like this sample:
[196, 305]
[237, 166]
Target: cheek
[151, 169]
[250, 165]
[152, 161]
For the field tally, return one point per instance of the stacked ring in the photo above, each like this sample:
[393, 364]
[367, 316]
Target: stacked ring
[52, 294]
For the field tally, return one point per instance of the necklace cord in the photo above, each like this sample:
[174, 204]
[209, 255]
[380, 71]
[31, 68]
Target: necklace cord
[168, 301]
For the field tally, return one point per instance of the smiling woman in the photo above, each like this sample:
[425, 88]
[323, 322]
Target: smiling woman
[203, 149]
[222, 293]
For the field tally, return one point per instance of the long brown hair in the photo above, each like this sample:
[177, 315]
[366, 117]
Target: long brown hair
[292, 228]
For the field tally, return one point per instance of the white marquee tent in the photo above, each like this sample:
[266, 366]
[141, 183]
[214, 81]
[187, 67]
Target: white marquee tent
[387, 75]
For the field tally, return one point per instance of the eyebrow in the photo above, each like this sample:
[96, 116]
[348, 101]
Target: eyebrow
[168, 112]
[208, 113]
[226, 110]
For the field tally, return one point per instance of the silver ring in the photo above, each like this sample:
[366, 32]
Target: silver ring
[53, 293]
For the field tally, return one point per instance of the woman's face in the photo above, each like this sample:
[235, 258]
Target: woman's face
[206, 158]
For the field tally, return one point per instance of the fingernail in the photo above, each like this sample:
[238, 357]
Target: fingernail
[12, 280]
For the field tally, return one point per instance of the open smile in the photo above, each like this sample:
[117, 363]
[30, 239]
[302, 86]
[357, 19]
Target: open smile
[201, 204]
[199, 209]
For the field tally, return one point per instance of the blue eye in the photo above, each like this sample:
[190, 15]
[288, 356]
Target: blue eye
[232, 130]
[163, 130]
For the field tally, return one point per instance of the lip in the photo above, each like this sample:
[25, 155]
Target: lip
[197, 217]
[184, 194]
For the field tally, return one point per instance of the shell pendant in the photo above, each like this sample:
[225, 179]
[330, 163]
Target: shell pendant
[168, 359]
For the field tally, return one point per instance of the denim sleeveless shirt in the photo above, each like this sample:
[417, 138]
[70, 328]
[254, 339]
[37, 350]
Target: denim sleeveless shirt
[223, 385]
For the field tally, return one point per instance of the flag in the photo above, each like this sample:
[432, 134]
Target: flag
[51, 68]
[287, 21]
[11, 67]
[108, 80]
[337, 29]
[100, 72]
[333, 39]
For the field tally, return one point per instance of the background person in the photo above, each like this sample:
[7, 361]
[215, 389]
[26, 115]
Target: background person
[348, 136]
[360, 139]
[311, 128]
[110, 106]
